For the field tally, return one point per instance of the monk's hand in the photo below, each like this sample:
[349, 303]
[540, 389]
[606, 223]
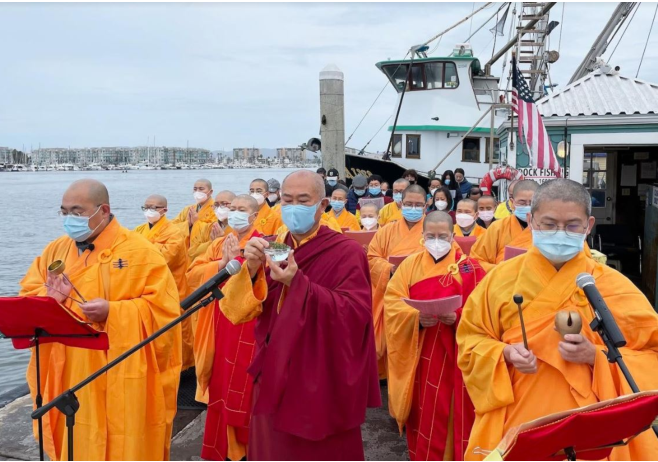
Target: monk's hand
[448, 319]
[231, 249]
[216, 231]
[428, 320]
[96, 310]
[283, 275]
[192, 216]
[58, 288]
[577, 349]
[523, 360]
[254, 254]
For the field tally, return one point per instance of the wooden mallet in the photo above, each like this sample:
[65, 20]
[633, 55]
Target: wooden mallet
[518, 299]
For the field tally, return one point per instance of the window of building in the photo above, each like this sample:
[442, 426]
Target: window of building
[471, 150]
[397, 146]
[496, 156]
[413, 146]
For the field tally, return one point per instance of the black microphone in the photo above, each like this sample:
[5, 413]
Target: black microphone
[606, 322]
[232, 268]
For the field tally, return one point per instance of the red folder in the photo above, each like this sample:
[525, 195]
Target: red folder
[465, 243]
[362, 237]
[590, 432]
[21, 317]
[396, 260]
[511, 252]
[436, 307]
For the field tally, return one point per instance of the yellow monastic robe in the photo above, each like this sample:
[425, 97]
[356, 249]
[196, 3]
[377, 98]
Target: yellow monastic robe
[489, 250]
[477, 231]
[268, 222]
[505, 398]
[170, 241]
[346, 220]
[128, 413]
[199, 233]
[503, 210]
[393, 240]
[390, 213]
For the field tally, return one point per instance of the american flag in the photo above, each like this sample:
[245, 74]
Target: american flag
[530, 122]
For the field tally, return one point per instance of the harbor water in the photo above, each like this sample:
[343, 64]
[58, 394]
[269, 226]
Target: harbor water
[29, 202]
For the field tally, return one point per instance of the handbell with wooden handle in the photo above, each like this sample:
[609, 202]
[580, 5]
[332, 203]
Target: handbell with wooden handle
[57, 268]
[568, 322]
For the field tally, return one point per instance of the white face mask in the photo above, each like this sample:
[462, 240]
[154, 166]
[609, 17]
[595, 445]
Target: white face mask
[437, 248]
[200, 196]
[464, 220]
[486, 215]
[441, 205]
[432, 191]
[272, 198]
[152, 216]
[259, 198]
[221, 213]
[368, 223]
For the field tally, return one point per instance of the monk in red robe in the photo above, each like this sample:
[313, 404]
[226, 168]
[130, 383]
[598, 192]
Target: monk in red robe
[222, 350]
[425, 386]
[315, 368]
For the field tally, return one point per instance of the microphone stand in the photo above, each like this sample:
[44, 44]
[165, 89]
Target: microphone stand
[613, 354]
[68, 403]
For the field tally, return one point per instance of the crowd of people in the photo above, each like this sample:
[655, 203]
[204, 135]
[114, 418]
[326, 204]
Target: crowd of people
[291, 357]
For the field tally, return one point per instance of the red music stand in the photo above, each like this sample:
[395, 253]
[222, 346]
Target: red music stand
[33, 321]
[465, 243]
[588, 433]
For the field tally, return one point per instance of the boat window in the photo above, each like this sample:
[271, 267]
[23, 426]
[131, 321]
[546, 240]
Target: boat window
[397, 145]
[413, 146]
[434, 74]
[417, 82]
[471, 150]
[397, 73]
[424, 76]
[451, 80]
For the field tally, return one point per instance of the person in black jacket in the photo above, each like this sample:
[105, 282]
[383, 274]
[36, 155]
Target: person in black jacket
[357, 191]
[448, 180]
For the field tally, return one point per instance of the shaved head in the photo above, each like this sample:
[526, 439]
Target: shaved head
[245, 201]
[94, 190]
[370, 207]
[414, 189]
[157, 200]
[525, 185]
[204, 182]
[562, 190]
[438, 217]
[259, 182]
[510, 187]
[225, 196]
[487, 200]
[401, 182]
[314, 182]
[469, 203]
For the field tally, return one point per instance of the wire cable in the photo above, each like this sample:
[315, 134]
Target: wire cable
[559, 42]
[637, 7]
[647, 42]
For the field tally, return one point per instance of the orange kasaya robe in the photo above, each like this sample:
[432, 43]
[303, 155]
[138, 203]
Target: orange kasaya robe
[223, 352]
[505, 398]
[170, 241]
[390, 213]
[345, 220]
[268, 221]
[198, 235]
[128, 413]
[425, 386]
[489, 250]
[477, 231]
[395, 239]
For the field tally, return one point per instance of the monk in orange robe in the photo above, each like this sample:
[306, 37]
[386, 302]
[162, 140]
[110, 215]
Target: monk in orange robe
[209, 231]
[423, 378]
[170, 241]
[126, 414]
[509, 384]
[314, 368]
[193, 219]
[368, 217]
[400, 238]
[267, 223]
[344, 218]
[223, 351]
[393, 211]
[466, 217]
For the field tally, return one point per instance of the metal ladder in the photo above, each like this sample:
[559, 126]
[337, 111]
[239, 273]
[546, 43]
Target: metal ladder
[531, 48]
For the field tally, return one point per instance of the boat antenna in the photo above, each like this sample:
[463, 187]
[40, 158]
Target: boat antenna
[647, 42]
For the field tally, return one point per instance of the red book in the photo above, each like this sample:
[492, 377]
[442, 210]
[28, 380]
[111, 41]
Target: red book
[465, 243]
[21, 317]
[511, 252]
[396, 259]
[362, 237]
[437, 306]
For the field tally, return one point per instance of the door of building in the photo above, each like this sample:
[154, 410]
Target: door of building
[599, 177]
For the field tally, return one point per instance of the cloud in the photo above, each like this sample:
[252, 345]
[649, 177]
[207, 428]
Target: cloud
[228, 75]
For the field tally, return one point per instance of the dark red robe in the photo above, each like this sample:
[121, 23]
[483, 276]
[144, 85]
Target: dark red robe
[315, 368]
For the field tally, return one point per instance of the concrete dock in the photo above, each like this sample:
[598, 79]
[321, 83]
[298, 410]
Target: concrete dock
[381, 440]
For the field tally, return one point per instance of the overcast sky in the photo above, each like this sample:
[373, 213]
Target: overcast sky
[232, 75]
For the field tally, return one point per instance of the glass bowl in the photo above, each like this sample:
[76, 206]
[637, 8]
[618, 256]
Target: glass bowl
[277, 251]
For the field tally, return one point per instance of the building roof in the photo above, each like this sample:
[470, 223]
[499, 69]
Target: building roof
[600, 93]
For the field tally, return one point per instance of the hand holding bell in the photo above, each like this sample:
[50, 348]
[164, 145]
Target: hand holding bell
[568, 322]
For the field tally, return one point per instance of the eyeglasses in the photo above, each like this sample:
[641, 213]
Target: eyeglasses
[414, 206]
[154, 208]
[64, 213]
[550, 229]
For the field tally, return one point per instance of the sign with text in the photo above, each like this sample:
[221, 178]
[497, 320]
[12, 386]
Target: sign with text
[540, 175]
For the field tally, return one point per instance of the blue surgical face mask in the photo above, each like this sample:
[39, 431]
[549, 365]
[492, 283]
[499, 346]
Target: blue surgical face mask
[559, 247]
[299, 218]
[238, 220]
[332, 182]
[397, 197]
[521, 212]
[412, 214]
[338, 206]
[375, 191]
[78, 228]
[359, 192]
[447, 181]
